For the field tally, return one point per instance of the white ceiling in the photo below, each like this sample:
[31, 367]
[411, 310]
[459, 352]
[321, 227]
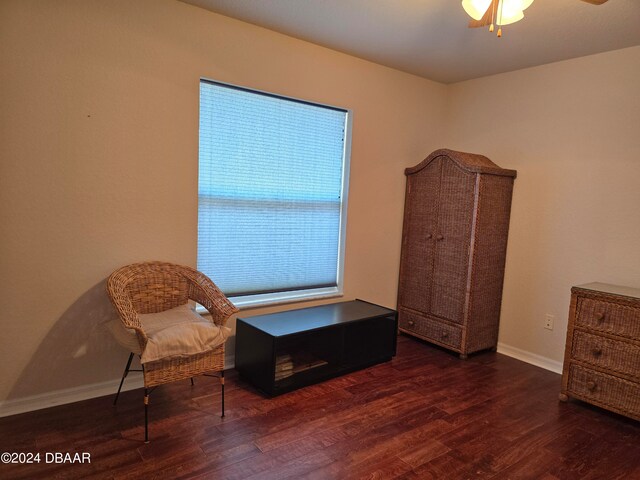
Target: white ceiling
[430, 38]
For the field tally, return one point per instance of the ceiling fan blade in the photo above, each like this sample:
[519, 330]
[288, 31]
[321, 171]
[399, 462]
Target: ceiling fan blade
[595, 2]
[486, 18]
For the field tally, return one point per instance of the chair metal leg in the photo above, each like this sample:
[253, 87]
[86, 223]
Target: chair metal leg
[222, 385]
[146, 416]
[124, 375]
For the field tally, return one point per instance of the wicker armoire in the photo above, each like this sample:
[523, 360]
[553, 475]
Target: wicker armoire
[454, 241]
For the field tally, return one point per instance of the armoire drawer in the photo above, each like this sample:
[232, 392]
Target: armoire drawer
[608, 317]
[613, 355]
[605, 390]
[430, 329]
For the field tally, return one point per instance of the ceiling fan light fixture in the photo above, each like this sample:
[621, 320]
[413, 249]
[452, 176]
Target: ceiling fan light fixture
[476, 8]
[509, 14]
[502, 12]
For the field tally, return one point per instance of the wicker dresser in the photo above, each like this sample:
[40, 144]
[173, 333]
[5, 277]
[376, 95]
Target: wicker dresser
[454, 240]
[602, 355]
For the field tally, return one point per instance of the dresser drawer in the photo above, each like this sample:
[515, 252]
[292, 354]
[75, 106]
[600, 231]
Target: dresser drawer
[605, 390]
[617, 356]
[608, 317]
[430, 329]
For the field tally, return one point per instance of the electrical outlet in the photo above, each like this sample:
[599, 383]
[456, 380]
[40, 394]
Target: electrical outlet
[548, 321]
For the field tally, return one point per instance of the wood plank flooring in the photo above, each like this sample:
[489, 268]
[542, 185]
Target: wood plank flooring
[424, 415]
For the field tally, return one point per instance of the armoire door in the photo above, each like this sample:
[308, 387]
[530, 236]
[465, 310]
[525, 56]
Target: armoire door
[452, 241]
[418, 236]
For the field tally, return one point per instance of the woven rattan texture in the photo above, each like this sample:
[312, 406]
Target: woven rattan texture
[607, 391]
[471, 162]
[609, 316]
[452, 240]
[490, 250]
[602, 354]
[456, 222]
[622, 358]
[157, 373]
[152, 287]
[438, 332]
[418, 247]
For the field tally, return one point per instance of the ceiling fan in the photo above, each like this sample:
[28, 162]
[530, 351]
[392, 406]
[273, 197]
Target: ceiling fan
[500, 12]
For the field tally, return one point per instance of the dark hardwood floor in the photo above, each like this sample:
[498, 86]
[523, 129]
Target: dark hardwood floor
[424, 415]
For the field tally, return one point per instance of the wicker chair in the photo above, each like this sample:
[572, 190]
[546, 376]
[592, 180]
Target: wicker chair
[154, 287]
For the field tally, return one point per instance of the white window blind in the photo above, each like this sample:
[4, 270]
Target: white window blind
[271, 192]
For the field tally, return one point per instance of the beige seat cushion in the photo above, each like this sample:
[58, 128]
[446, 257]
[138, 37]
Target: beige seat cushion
[124, 336]
[178, 332]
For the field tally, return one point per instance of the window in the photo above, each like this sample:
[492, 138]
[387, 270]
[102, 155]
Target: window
[272, 191]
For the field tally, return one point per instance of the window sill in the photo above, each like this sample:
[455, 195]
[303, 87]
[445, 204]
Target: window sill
[282, 298]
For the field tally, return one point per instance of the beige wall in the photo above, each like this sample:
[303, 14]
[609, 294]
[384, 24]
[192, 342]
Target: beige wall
[98, 151]
[572, 130]
[98, 148]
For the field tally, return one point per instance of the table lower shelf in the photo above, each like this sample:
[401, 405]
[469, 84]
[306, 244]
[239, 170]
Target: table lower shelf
[315, 375]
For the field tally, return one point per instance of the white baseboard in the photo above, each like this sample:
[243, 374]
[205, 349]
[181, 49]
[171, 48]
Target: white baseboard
[134, 380]
[76, 394]
[532, 358]
[68, 395]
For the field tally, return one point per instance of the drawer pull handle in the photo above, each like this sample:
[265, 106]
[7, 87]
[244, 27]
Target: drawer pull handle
[445, 335]
[597, 351]
[429, 236]
[411, 323]
[440, 238]
[591, 386]
[599, 316]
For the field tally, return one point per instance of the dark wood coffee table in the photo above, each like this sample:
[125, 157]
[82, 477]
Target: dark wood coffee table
[283, 351]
